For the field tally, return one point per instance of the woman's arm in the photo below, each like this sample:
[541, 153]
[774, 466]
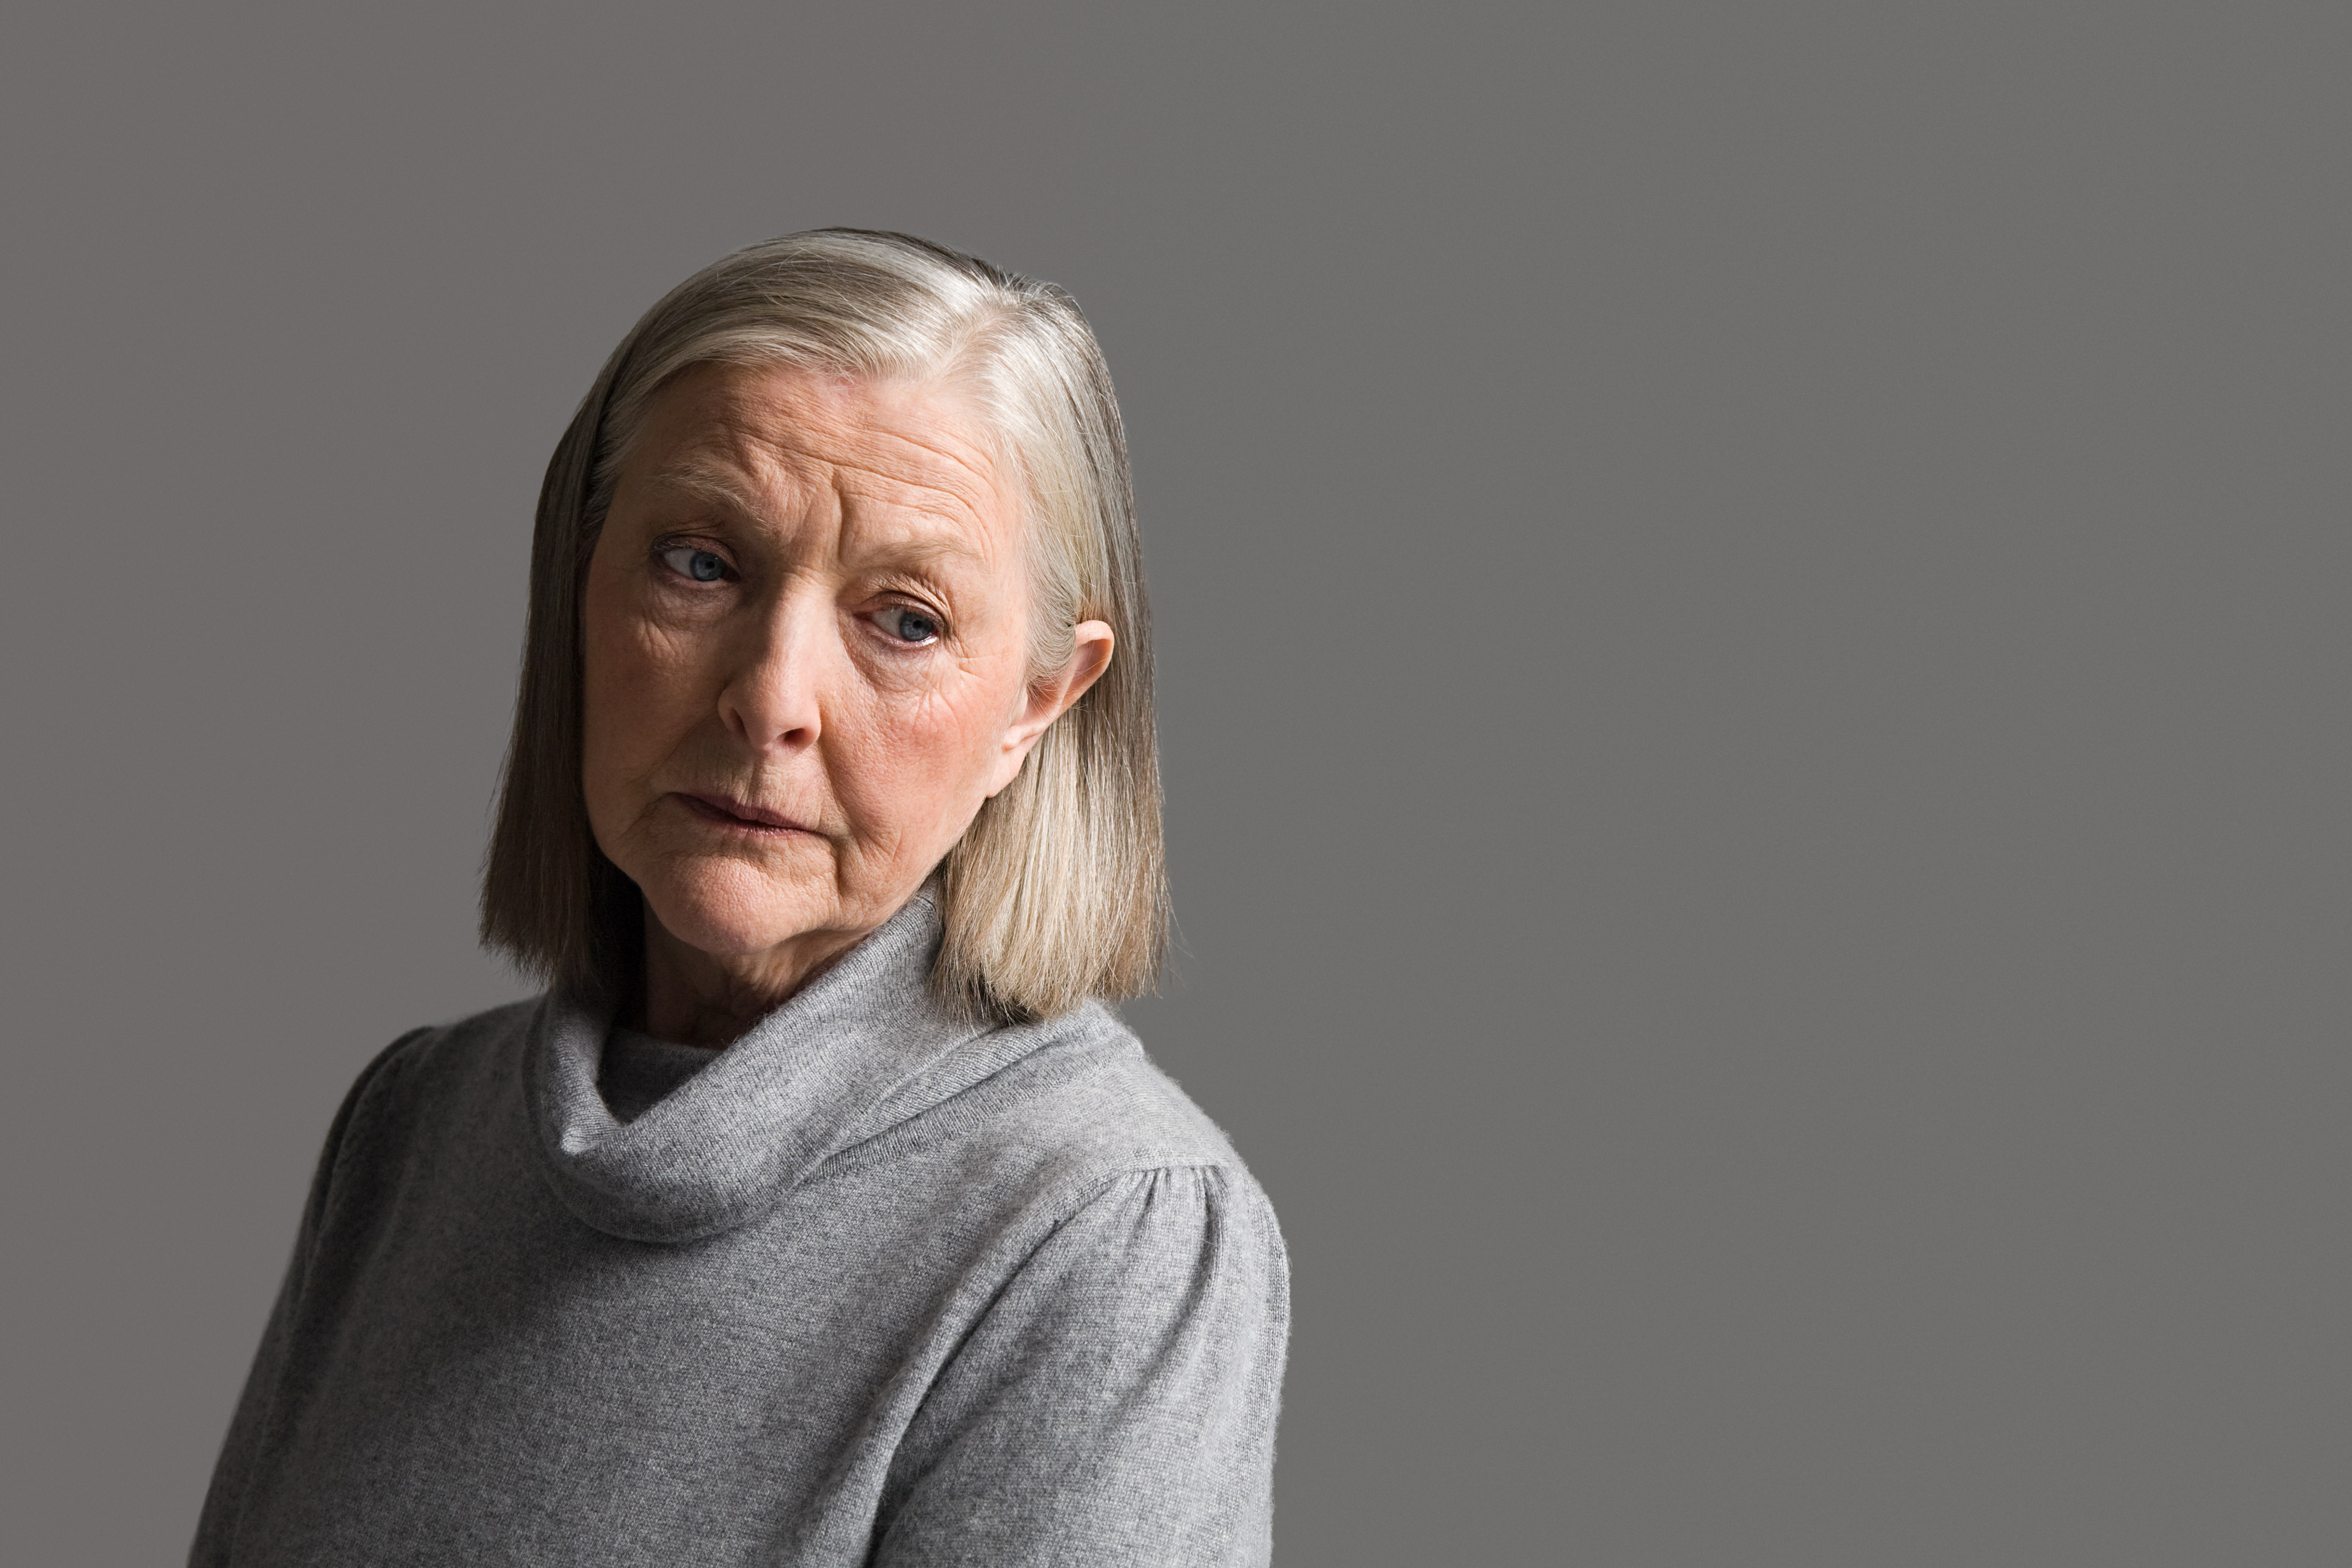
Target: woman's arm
[247, 1429]
[1116, 1404]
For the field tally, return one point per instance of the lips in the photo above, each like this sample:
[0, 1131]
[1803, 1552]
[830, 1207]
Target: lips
[731, 812]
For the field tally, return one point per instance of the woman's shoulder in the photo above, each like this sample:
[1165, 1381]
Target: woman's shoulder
[448, 1058]
[453, 1045]
[1061, 1109]
[1075, 1099]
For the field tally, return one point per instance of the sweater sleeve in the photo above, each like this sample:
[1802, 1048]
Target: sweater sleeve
[1116, 1403]
[250, 1426]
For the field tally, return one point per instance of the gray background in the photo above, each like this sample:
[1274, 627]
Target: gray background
[1753, 604]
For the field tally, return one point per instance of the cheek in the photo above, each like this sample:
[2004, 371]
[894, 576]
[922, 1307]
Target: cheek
[917, 760]
[635, 699]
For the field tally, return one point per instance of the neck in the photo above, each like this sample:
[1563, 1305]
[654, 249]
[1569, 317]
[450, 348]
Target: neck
[699, 998]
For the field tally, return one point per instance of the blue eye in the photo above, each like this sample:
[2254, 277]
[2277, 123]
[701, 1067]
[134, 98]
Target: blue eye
[702, 566]
[907, 625]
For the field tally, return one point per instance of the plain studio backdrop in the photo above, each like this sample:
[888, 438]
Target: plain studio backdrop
[1751, 605]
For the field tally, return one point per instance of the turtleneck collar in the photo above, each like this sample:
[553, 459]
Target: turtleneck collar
[727, 1145]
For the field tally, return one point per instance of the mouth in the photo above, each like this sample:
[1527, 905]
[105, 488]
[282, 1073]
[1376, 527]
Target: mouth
[724, 811]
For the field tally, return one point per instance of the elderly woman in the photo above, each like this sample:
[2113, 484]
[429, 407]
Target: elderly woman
[821, 1211]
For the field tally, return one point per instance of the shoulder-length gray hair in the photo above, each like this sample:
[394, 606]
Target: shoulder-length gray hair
[1057, 891]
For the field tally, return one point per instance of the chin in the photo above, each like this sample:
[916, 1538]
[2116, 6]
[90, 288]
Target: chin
[730, 909]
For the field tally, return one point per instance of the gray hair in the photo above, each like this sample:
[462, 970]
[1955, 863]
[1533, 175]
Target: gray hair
[1057, 891]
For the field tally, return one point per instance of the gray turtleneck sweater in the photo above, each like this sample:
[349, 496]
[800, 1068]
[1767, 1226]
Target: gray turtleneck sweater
[876, 1284]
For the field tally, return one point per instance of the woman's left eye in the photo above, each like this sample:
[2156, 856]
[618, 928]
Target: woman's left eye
[908, 625]
[700, 565]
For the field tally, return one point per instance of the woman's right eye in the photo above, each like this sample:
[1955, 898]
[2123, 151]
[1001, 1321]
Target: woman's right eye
[700, 565]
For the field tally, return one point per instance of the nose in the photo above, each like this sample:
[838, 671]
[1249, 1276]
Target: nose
[771, 698]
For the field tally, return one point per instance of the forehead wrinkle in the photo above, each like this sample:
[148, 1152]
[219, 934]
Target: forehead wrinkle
[781, 454]
[914, 517]
[699, 478]
[976, 466]
[958, 453]
[866, 486]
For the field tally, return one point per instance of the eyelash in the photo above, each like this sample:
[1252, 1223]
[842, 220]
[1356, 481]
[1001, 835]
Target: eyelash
[911, 606]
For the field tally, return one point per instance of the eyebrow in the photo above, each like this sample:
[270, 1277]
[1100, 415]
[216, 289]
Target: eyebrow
[704, 482]
[708, 482]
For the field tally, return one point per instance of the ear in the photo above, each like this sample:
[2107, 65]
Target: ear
[1091, 650]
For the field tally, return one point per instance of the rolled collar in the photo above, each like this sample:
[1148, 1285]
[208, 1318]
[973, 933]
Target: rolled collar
[730, 1144]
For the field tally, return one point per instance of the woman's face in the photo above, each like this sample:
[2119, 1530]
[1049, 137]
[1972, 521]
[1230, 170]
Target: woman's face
[807, 646]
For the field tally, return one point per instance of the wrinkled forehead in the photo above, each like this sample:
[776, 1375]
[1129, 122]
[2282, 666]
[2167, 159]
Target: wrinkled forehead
[784, 444]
